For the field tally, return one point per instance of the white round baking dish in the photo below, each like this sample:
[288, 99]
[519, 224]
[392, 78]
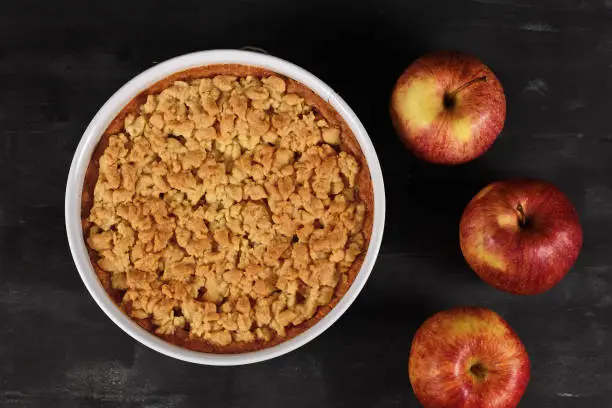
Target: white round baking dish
[99, 124]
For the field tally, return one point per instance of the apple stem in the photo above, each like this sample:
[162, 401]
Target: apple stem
[479, 371]
[521, 215]
[466, 85]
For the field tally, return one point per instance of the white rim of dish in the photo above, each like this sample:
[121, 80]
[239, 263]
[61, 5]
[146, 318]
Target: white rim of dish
[109, 111]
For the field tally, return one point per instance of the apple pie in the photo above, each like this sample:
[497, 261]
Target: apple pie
[227, 208]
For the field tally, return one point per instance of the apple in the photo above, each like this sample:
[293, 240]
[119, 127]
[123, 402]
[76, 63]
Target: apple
[448, 107]
[468, 358]
[521, 236]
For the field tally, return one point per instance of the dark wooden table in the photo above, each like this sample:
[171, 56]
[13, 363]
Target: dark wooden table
[59, 61]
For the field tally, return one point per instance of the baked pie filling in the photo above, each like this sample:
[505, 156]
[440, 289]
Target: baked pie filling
[228, 212]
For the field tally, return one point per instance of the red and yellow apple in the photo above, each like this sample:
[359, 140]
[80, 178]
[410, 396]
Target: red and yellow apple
[468, 358]
[448, 107]
[521, 236]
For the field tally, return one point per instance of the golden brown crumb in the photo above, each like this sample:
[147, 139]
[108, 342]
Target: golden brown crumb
[223, 209]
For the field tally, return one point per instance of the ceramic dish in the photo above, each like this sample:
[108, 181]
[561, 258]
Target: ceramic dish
[116, 104]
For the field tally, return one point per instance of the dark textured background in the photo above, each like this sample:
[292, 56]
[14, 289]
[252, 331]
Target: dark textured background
[59, 62]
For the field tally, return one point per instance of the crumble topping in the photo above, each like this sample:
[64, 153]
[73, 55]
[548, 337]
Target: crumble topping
[226, 208]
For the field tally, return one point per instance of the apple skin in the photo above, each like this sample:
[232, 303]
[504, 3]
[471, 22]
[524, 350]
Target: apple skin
[438, 121]
[468, 358]
[522, 257]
